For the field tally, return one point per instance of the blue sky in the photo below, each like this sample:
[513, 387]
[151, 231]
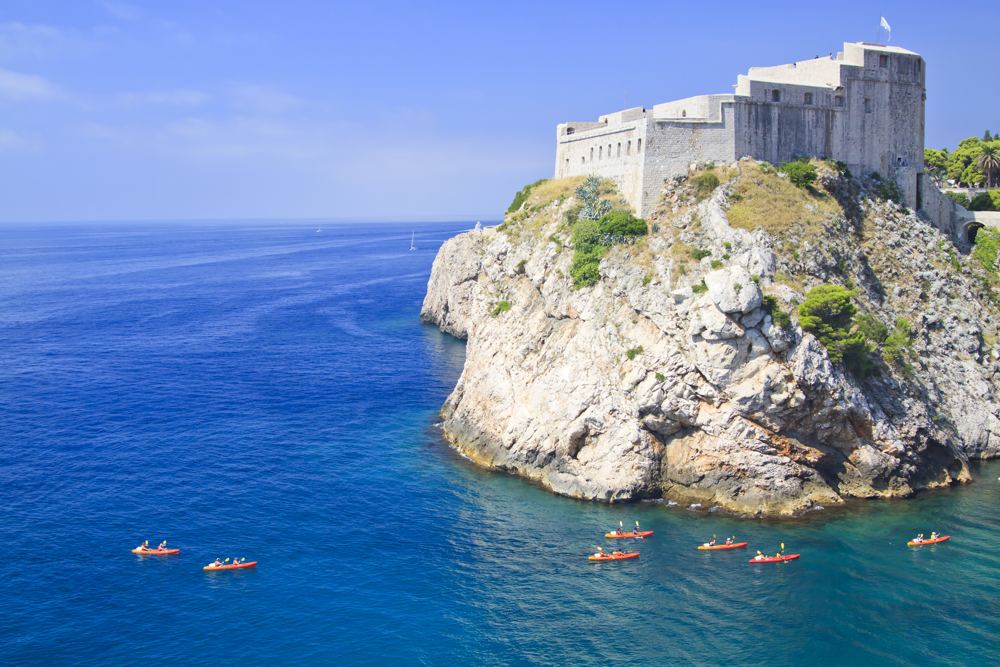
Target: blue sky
[117, 110]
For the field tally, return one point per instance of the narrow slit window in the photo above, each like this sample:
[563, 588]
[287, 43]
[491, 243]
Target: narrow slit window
[638, 146]
[618, 151]
[600, 152]
[591, 153]
[809, 98]
[883, 60]
[868, 105]
[628, 147]
[838, 100]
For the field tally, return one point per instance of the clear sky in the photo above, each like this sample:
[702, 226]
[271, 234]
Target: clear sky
[193, 109]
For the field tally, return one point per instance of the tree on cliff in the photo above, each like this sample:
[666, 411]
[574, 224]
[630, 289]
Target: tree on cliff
[828, 313]
[989, 161]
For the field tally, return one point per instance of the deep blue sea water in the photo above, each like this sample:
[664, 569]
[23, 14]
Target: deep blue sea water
[269, 392]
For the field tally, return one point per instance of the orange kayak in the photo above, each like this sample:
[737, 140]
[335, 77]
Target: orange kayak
[721, 547]
[231, 566]
[624, 536]
[943, 538]
[155, 552]
[772, 559]
[625, 556]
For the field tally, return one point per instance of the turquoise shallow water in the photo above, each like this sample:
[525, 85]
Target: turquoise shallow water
[269, 392]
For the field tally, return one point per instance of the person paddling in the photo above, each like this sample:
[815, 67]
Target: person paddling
[919, 537]
[599, 553]
[730, 540]
[620, 530]
[934, 535]
[163, 545]
[760, 555]
[144, 546]
[711, 542]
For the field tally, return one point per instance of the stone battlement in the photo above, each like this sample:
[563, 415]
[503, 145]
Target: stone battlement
[864, 106]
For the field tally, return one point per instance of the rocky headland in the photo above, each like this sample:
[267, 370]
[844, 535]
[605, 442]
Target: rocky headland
[681, 360]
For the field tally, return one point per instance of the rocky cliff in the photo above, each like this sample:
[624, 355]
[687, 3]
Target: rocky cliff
[678, 374]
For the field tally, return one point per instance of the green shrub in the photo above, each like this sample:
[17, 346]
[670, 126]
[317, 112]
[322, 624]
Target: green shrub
[897, 347]
[700, 253]
[646, 279]
[716, 263]
[522, 195]
[986, 248]
[633, 353]
[985, 201]
[959, 198]
[700, 287]
[586, 234]
[828, 313]
[884, 188]
[778, 316]
[585, 268]
[589, 193]
[520, 266]
[617, 224]
[800, 173]
[704, 184]
[660, 377]
[500, 307]
[872, 328]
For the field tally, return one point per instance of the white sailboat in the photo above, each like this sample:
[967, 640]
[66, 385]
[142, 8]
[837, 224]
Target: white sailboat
[413, 246]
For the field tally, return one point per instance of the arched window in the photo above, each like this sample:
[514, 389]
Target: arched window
[628, 147]
[591, 153]
[638, 146]
[684, 113]
[618, 152]
[600, 152]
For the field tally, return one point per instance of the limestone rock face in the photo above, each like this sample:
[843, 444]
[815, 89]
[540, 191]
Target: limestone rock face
[639, 387]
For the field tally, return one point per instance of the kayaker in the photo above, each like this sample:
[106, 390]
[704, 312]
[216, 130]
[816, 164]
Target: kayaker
[215, 563]
[730, 540]
[759, 556]
[934, 535]
[919, 537]
[599, 553]
[620, 530]
[711, 542]
[637, 527]
[163, 545]
[144, 546]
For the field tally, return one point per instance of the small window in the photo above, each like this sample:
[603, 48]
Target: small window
[883, 60]
[567, 162]
[583, 160]
[809, 98]
[600, 152]
[838, 100]
[628, 147]
[918, 66]
[609, 151]
[868, 105]
[591, 153]
[775, 95]
[570, 130]
[684, 113]
[900, 161]
[618, 151]
[638, 146]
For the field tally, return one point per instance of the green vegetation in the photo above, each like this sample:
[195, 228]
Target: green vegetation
[985, 251]
[700, 253]
[594, 207]
[778, 316]
[985, 201]
[800, 173]
[647, 278]
[897, 347]
[700, 287]
[716, 263]
[660, 377]
[633, 353]
[592, 238]
[975, 162]
[828, 313]
[704, 184]
[520, 266]
[959, 198]
[522, 195]
[884, 188]
[500, 307]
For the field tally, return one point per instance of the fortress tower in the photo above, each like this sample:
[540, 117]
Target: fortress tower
[864, 107]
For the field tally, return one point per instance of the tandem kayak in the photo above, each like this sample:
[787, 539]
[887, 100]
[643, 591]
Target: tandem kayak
[633, 554]
[155, 552]
[773, 559]
[631, 535]
[914, 543]
[719, 547]
[230, 566]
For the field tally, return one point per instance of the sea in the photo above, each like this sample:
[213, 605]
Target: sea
[267, 391]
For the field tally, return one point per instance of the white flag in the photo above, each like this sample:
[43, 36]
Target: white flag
[884, 24]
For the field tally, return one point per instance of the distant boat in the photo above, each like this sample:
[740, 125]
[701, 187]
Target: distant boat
[413, 246]
[319, 229]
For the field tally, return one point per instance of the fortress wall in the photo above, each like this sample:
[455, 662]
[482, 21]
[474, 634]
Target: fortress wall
[944, 214]
[700, 107]
[674, 145]
[610, 150]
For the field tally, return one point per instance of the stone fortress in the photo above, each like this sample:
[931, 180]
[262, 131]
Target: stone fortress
[864, 106]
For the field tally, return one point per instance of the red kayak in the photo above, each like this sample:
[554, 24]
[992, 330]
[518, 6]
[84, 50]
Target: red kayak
[773, 559]
[721, 547]
[618, 556]
[625, 536]
[914, 543]
[155, 552]
[230, 566]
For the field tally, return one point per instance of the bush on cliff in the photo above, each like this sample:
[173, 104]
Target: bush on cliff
[622, 224]
[828, 313]
[522, 195]
[704, 184]
[800, 173]
[592, 238]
